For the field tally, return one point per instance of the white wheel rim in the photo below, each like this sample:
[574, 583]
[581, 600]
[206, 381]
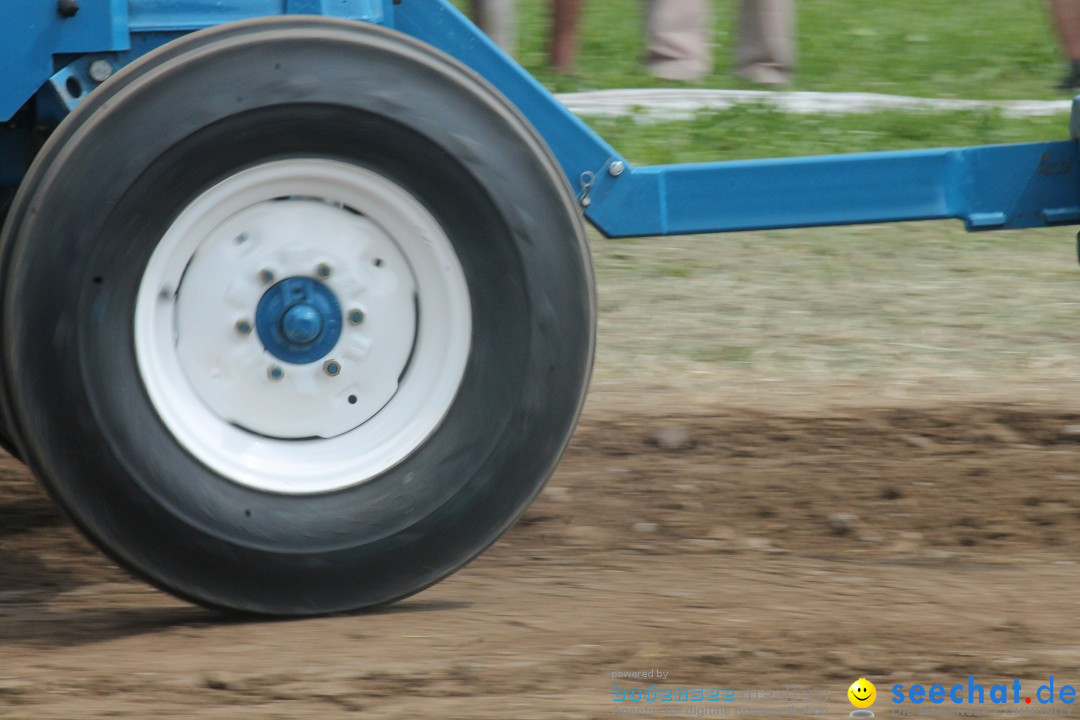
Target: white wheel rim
[303, 428]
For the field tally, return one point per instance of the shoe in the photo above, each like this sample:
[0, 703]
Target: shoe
[762, 74]
[683, 70]
[1071, 81]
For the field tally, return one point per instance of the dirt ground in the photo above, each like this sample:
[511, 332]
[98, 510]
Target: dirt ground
[724, 546]
[806, 458]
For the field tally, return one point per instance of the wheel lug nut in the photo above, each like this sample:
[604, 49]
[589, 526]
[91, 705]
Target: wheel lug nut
[331, 367]
[356, 317]
[323, 270]
[243, 327]
[267, 276]
[275, 372]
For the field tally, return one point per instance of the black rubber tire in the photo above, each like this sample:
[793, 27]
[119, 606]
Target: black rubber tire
[6, 441]
[6, 194]
[114, 176]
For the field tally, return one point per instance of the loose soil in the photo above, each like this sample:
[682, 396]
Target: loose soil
[725, 546]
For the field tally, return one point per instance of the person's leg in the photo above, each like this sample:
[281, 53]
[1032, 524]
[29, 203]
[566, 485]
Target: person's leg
[498, 18]
[766, 46]
[564, 39]
[1067, 20]
[677, 34]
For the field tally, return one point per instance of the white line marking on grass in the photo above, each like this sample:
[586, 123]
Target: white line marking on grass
[659, 105]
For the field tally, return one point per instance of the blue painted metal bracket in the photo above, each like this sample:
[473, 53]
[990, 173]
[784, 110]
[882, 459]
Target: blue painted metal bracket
[32, 33]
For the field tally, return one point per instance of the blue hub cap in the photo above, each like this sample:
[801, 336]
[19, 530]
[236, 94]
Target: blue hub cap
[301, 324]
[299, 320]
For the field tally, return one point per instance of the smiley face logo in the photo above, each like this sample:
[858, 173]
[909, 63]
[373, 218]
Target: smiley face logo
[862, 693]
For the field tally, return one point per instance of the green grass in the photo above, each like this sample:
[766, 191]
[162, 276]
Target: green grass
[957, 48]
[755, 132]
[977, 49]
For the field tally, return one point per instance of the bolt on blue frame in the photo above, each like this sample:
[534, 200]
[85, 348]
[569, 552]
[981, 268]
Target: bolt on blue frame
[988, 187]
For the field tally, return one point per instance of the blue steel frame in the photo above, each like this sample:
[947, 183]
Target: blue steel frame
[46, 61]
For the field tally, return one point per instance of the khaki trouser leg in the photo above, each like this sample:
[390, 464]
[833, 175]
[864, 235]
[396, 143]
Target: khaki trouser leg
[766, 45]
[498, 18]
[678, 36]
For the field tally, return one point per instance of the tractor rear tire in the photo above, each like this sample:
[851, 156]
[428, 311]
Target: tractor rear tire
[298, 316]
[6, 442]
[6, 194]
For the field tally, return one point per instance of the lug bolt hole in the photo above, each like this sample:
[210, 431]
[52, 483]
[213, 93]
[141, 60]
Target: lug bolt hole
[323, 271]
[331, 367]
[352, 399]
[275, 372]
[356, 317]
